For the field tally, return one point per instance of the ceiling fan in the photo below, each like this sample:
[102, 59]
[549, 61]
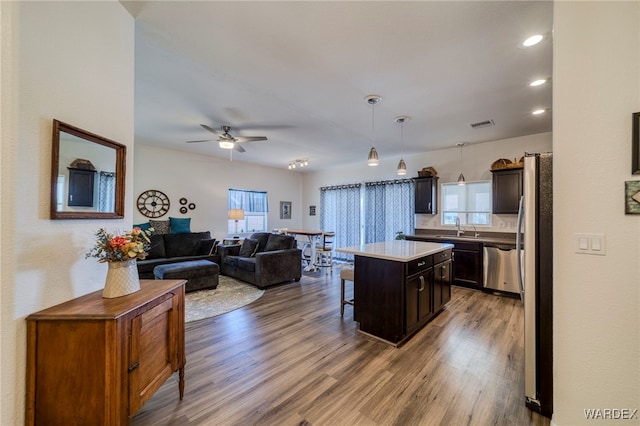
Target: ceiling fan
[227, 141]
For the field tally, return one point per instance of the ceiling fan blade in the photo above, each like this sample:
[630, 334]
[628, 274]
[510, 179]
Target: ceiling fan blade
[204, 140]
[250, 138]
[204, 126]
[238, 148]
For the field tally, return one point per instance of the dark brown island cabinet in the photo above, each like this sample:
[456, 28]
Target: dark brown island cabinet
[96, 361]
[399, 286]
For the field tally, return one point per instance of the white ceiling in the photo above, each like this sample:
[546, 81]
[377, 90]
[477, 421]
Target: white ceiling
[298, 73]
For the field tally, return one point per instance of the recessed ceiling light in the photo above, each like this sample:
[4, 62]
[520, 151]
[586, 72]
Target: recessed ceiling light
[539, 82]
[535, 39]
[538, 111]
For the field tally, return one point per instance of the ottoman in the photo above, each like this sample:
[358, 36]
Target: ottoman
[201, 274]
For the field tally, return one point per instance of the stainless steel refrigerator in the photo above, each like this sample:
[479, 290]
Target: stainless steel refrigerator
[535, 237]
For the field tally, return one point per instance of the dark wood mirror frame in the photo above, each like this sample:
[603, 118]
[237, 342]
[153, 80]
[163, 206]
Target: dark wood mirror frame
[120, 167]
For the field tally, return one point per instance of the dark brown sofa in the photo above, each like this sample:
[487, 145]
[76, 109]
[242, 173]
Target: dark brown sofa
[264, 259]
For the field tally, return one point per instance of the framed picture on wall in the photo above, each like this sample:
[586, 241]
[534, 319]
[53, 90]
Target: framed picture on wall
[285, 209]
[635, 143]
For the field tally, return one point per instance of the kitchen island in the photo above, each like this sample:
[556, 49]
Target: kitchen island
[399, 286]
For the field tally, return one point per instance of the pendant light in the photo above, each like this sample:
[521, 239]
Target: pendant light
[373, 154]
[461, 180]
[402, 166]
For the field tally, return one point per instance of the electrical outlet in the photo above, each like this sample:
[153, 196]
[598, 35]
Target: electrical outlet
[590, 244]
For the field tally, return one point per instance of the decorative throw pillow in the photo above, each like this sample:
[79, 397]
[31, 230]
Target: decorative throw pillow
[180, 225]
[160, 226]
[248, 248]
[143, 226]
[279, 242]
[205, 247]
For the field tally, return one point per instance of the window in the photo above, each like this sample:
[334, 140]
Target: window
[255, 207]
[471, 203]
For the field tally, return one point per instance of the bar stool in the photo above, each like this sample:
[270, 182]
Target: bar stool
[324, 251]
[346, 274]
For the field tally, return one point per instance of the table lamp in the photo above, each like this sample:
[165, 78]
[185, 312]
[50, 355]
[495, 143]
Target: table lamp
[236, 215]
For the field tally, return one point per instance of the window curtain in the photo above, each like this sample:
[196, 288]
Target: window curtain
[388, 209]
[249, 201]
[340, 212]
[106, 192]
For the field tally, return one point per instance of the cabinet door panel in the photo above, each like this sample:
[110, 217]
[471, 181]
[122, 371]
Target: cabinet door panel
[418, 305]
[441, 284]
[425, 306]
[507, 190]
[153, 343]
[426, 195]
[467, 268]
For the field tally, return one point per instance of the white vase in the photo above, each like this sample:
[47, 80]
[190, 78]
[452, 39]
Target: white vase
[122, 279]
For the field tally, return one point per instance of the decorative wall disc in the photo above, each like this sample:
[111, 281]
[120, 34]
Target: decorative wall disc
[183, 201]
[153, 203]
[183, 210]
[192, 206]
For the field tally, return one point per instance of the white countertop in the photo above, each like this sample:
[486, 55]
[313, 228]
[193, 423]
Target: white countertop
[398, 250]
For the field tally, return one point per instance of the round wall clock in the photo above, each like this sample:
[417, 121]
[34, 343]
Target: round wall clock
[153, 203]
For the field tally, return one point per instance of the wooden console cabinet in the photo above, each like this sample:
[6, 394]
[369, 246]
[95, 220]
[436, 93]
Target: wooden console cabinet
[97, 361]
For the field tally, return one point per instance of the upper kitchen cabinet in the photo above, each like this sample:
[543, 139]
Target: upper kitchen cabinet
[426, 195]
[507, 190]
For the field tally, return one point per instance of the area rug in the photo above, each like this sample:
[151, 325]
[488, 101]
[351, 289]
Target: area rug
[229, 295]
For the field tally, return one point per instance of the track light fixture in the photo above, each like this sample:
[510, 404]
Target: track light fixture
[298, 163]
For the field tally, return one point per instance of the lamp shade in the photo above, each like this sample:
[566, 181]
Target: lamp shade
[373, 157]
[236, 214]
[402, 168]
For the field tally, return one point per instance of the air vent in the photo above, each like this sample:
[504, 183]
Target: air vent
[486, 123]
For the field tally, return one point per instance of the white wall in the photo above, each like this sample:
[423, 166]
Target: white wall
[596, 298]
[476, 164]
[205, 181]
[73, 61]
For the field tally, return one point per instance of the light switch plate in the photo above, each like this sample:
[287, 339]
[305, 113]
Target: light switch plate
[590, 244]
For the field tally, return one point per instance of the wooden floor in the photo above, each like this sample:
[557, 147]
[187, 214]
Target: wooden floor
[290, 359]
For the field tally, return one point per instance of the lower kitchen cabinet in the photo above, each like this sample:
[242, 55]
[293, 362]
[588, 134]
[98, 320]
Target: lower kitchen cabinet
[418, 298]
[467, 264]
[97, 361]
[467, 267]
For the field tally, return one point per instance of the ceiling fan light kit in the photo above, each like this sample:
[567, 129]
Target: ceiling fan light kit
[227, 141]
[373, 100]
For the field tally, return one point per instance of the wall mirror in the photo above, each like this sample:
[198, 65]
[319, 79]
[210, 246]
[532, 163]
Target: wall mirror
[87, 175]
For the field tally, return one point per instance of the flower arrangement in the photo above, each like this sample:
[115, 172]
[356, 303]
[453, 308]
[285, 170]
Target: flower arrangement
[118, 248]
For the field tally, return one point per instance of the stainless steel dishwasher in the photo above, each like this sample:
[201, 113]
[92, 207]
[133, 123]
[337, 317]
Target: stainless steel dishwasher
[500, 270]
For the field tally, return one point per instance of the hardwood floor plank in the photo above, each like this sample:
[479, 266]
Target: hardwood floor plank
[290, 359]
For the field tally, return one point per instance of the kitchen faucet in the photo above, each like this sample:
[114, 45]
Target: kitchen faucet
[460, 231]
[476, 234]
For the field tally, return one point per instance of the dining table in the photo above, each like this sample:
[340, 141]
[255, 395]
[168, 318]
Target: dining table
[314, 236]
